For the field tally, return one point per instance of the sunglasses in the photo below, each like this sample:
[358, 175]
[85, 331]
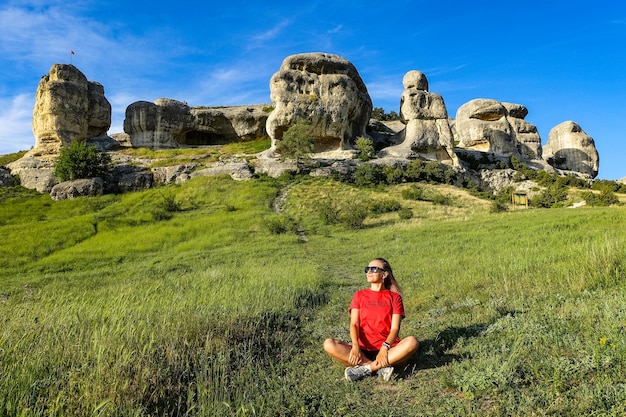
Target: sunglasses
[374, 269]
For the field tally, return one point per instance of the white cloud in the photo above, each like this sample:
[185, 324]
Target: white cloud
[272, 33]
[15, 123]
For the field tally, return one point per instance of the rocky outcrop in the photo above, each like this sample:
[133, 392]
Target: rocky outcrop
[157, 125]
[221, 125]
[526, 134]
[485, 125]
[570, 148]
[77, 188]
[168, 123]
[427, 133]
[34, 173]
[325, 90]
[68, 108]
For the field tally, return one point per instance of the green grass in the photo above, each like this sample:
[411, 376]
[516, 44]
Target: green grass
[129, 306]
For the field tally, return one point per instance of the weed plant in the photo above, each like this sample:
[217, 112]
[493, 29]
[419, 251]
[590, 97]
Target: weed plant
[110, 310]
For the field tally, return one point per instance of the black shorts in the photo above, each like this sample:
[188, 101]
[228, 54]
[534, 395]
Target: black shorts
[370, 354]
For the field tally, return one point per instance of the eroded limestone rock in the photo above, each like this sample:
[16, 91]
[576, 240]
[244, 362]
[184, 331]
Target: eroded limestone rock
[570, 148]
[427, 133]
[66, 190]
[325, 90]
[491, 126]
[68, 108]
[168, 123]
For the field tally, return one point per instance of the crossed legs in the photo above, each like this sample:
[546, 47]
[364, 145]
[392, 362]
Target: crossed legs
[398, 355]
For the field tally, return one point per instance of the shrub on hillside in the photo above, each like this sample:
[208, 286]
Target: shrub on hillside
[378, 207]
[80, 160]
[365, 147]
[368, 175]
[297, 142]
[606, 197]
[328, 211]
[549, 197]
[405, 213]
[355, 217]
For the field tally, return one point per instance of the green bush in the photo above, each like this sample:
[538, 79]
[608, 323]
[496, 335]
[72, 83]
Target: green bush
[384, 206]
[328, 212]
[605, 198]
[368, 175]
[355, 217]
[549, 197]
[80, 160]
[297, 142]
[365, 147]
[405, 213]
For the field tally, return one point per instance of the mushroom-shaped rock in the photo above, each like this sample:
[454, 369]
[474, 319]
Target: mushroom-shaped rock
[570, 148]
[325, 90]
[427, 133]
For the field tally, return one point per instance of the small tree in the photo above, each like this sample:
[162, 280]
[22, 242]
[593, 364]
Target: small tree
[297, 142]
[80, 160]
[365, 147]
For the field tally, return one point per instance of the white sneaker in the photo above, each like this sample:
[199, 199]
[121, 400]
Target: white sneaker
[385, 373]
[354, 373]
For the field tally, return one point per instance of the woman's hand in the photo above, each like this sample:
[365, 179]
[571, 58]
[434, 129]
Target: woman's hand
[355, 355]
[382, 359]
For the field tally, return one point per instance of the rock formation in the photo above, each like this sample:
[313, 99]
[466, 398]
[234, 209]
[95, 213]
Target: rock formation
[570, 148]
[483, 125]
[159, 125]
[77, 188]
[325, 90]
[427, 133]
[526, 134]
[168, 123]
[68, 108]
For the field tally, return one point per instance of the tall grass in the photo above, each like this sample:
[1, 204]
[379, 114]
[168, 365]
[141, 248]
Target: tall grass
[109, 308]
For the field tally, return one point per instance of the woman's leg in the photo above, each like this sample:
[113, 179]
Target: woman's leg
[340, 351]
[402, 352]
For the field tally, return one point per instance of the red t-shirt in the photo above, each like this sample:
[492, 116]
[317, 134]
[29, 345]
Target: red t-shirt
[376, 309]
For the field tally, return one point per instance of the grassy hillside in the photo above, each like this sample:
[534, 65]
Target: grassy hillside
[199, 299]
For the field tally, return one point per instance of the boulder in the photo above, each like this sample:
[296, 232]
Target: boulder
[237, 170]
[34, 173]
[125, 178]
[570, 148]
[68, 108]
[325, 90]
[77, 188]
[427, 133]
[175, 174]
[491, 126]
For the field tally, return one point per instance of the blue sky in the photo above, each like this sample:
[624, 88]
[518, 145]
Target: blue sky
[563, 60]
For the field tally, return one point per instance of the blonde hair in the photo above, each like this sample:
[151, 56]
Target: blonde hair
[389, 282]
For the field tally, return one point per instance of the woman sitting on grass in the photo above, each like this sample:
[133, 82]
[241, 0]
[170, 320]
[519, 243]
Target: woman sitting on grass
[375, 316]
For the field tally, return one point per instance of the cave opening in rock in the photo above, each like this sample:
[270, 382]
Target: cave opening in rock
[198, 138]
